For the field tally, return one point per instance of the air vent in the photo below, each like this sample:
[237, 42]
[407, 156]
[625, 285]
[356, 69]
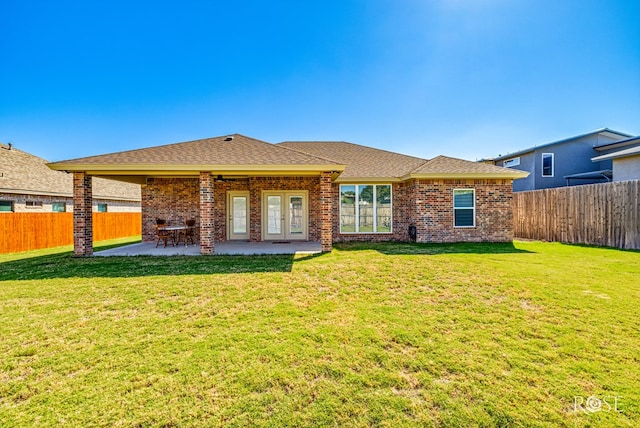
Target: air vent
[229, 138]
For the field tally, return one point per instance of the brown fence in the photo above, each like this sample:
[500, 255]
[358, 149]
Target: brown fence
[597, 214]
[32, 231]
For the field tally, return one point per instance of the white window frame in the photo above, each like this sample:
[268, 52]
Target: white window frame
[375, 208]
[553, 164]
[509, 163]
[464, 208]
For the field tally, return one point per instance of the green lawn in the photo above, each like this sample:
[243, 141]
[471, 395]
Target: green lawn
[368, 335]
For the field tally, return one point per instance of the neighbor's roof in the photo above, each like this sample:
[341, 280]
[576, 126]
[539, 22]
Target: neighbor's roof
[24, 173]
[632, 151]
[603, 131]
[361, 162]
[603, 173]
[633, 141]
[232, 153]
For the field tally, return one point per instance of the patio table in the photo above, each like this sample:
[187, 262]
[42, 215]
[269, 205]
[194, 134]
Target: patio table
[175, 230]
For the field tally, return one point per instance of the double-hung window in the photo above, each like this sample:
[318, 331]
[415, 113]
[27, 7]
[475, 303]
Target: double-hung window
[464, 208]
[365, 208]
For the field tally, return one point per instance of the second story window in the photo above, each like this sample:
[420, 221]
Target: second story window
[547, 164]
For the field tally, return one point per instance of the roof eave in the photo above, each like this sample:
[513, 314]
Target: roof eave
[468, 175]
[188, 170]
[345, 180]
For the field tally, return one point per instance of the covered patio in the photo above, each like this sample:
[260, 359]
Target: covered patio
[222, 248]
[234, 189]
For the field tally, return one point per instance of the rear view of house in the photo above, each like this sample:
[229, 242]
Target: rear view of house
[240, 188]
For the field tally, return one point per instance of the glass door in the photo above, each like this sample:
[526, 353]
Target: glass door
[275, 217]
[238, 215]
[295, 229]
[284, 215]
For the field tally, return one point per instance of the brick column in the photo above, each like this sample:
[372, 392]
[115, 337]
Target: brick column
[207, 222]
[255, 213]
[326, 211]
[82, 215]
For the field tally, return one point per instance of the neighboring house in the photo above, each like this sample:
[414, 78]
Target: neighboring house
[240, 188]
[28, 185]
[625, 156]
[562, 163]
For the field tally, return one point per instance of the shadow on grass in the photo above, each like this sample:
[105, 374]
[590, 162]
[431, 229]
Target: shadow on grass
[64, 265]
[407, 248]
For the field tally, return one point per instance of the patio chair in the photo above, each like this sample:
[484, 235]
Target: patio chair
[164, 236]
[189, 233]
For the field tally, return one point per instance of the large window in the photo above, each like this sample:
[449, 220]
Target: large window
[464, 208]
[6, 206]
[547, 164]
[365, 208]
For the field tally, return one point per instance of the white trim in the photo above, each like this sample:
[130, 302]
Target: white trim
[464, 208]
[553, 165]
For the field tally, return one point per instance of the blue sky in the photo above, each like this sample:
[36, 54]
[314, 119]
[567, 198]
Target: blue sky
[464, 78]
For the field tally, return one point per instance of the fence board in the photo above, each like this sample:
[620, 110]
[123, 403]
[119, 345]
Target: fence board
[32, 231]
[598, 214]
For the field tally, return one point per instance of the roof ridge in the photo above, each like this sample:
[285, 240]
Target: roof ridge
[306, 153]
[357, 145]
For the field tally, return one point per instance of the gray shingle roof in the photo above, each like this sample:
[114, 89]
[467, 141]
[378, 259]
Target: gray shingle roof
[237, 152]
[234, 149]
[361, 161]
[23, 172]
[444, 165]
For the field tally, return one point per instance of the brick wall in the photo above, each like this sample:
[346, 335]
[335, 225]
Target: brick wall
[433, 215]
[178, 199]
[428, 204]
[173, 199]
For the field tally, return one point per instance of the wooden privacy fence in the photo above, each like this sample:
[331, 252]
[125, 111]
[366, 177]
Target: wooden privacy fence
[597, 214]
[32, 231]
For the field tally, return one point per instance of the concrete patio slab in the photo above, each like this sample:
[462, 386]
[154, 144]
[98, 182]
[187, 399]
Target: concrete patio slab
[221, 248]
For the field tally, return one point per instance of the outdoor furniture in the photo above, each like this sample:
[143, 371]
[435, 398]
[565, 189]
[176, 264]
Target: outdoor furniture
[188, 233]
[165, 235]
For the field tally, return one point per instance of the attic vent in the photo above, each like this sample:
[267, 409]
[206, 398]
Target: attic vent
[229, 138]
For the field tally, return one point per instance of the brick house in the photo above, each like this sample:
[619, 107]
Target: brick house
[28, 185]
[240, 188]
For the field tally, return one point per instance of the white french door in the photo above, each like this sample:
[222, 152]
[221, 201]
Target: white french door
[238, 215]
[284, 215]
